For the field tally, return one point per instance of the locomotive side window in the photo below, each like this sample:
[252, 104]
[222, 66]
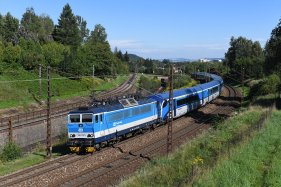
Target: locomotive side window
[87, 118]
[126, 113]
[145, 109]
[118, 115]
[136, 111]
[96, 118]
[74, 118]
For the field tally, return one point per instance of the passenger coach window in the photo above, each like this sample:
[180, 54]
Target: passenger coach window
[100, 117]
[215, 89]
[74, 118]
[87, 118]
[96, 118]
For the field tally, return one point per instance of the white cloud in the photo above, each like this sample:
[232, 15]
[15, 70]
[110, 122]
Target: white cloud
[125, 43]
[192, 51]
[206, 45]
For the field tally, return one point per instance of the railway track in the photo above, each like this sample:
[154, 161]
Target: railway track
[72, 168]
[113, 170]
[22, 119]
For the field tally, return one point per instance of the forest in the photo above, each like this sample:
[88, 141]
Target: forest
[69, 45]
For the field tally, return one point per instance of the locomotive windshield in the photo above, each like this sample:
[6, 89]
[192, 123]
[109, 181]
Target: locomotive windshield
[74, 118]
[87, 118]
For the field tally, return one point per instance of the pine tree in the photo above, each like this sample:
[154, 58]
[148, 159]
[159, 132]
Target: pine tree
[126, 57]
[67, 32]
[11, 25]
[98, 35]
[83, 30]
[31, 22]
[1, 27]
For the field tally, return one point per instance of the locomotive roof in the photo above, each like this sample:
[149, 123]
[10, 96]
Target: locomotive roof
[108, 108]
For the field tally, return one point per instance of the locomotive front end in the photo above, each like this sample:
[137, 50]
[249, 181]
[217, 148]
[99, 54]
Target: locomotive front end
[81, 132]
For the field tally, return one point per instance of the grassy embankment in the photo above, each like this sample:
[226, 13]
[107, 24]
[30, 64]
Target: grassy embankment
[256, 163]
[174, 170]
[21, 93]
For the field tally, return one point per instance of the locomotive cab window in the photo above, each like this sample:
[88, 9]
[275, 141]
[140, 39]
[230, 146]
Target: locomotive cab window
[87, 118]
[74, 118]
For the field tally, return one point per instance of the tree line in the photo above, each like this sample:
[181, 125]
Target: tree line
[247, 54]
[69, 45]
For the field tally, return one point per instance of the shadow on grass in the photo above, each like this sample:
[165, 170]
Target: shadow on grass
[58, 150]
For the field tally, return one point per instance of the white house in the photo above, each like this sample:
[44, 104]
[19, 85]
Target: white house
[203, 60]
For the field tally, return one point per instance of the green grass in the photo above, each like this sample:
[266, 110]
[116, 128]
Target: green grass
[21, 93]
[174, 170]
[254, 164]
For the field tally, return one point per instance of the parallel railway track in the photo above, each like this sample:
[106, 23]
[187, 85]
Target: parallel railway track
[22, 119]
[73, 170]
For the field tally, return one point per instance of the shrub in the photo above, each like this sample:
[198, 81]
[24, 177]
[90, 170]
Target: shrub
[265, 87]
[39, 148]
[11, 151]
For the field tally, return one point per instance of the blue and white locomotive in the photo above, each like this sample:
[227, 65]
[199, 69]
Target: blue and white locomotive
[93, 127]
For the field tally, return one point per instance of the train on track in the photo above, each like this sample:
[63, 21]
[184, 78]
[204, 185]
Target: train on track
[107, 122]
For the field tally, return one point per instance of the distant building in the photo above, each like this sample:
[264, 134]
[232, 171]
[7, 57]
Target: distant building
[177, 69]
[203, 60]
[217, 60]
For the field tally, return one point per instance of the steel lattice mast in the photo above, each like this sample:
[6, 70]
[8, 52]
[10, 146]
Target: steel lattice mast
[170, 114]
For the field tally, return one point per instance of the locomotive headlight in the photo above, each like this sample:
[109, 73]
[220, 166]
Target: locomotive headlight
[80, 125]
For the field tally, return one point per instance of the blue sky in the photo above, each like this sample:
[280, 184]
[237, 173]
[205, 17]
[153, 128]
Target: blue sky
[167, 29]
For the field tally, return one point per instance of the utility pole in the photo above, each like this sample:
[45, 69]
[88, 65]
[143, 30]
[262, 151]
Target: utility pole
[49, 125]
[170, 114]
[242, 96]
[40, 96]
[249, 78]
[93, 77]
[111, 69]
[179, 83]
[209, 73]
[205, 68]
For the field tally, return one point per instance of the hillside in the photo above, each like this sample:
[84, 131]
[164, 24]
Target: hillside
[133, 57]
